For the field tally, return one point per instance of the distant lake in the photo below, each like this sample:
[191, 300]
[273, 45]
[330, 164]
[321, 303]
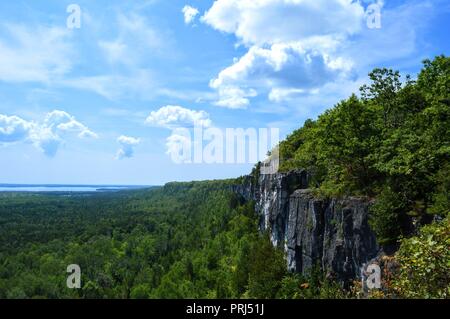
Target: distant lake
[65, 188]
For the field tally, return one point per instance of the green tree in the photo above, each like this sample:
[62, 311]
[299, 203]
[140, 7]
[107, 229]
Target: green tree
[267, 269]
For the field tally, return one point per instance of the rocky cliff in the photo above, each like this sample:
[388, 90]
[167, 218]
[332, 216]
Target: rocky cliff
[333, 234]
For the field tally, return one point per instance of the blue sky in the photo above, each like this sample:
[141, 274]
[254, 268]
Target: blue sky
[98, 104]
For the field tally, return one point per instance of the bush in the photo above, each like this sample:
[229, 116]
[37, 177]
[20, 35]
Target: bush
[314, 285]
[425, 263]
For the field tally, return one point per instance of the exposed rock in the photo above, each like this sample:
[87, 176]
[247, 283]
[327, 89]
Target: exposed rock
[333, 234]
[271, 195]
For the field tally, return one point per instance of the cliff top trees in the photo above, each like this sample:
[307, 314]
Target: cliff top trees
[392, 144]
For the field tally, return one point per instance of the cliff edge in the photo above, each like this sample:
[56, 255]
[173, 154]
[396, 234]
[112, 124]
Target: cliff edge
[332, 233]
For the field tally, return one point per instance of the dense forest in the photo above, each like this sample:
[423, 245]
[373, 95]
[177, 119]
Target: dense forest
[184, 240]
[201, 240]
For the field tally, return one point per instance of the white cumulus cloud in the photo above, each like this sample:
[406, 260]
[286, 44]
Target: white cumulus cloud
[171, 116]
[189, 14]
[292, 46]
[64, 122]
[13, 129]
[283, 67]
[275, 21]
[47, 136]
[232, 96]
[127, 145]
[180, 120]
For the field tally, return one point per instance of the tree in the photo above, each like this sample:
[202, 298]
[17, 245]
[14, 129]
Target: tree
[267, 269]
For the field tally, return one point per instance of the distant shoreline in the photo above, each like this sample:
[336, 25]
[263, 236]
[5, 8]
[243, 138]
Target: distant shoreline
[67, 188]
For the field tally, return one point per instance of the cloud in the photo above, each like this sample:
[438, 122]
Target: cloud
[276, 21]
[180, 120]
[178, 146]
[281, 64]
[282, 68]
[127, 145]
[233, 96]
[283, 94]
[13, 129]
[46, 140]
[189, 14]
[64, 122]
[171, 116]
[292, 46]
[34, 54]
[297, 49]
[46, 136]
[135, 45]
[47, 55]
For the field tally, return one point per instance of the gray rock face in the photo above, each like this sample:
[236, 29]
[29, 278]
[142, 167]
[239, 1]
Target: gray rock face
[271, 195]
[332, 234]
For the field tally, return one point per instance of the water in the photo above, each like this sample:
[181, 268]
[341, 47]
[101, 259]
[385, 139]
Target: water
[65, 188]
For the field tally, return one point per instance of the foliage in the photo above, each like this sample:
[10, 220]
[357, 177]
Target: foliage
[267, 269]
[313, 285]
[424, 263]
[391, 144]
[184, 240]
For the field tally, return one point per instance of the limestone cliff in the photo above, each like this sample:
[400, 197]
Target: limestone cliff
[331, 233]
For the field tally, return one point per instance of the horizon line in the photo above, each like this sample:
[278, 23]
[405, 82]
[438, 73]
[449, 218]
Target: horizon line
[75, 185]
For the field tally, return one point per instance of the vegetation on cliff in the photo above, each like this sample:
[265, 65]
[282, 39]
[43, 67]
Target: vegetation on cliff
[392, 144]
